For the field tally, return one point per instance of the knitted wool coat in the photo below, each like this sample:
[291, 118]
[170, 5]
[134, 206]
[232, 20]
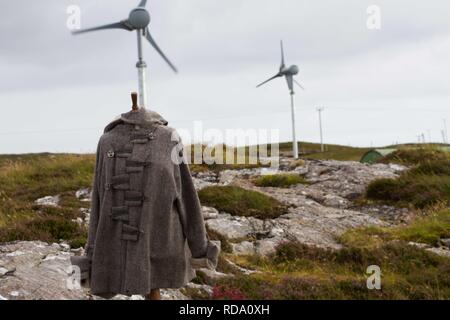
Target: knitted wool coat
[146, 226]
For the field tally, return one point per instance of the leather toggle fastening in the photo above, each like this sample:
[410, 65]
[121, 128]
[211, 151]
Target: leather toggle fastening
[121, 182]
[141, 138]
[120, 213]
[133, 198]
[135, 166]
[130, 233]
[125, 153]
[134, 163]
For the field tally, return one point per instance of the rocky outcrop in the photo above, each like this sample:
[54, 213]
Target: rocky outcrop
[319, 211]
[34, 270]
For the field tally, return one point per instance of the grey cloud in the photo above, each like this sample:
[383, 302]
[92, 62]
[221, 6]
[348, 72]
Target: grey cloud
[223, 48]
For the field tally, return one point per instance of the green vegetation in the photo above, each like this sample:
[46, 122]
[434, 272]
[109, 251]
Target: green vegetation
[426, 229]
[313, 273]
[224, 243]
[240, 158]
[333, 152]
[413, 155]
[241, 202]
[279, 180]
[45, 228]
[297, 271]
[425, 184]
[308, 150]
[25, 178]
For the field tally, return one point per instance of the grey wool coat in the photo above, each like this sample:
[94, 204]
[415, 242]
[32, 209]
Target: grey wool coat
[146, 227]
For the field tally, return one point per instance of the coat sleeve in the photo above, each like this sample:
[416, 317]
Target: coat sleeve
[205, 253]
[95, 206]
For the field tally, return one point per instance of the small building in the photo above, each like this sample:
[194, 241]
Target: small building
[373, 155]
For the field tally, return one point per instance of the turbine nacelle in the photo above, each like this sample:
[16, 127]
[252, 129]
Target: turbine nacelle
[139, 18]
[292, 71]
[287, 72]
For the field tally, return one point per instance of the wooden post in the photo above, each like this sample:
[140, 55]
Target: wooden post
[134, 98]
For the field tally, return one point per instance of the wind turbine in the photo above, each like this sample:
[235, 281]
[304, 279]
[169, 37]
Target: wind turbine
[138, 20]
[288, 73]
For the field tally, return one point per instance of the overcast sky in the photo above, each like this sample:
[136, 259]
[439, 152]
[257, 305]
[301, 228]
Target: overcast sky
[57, 92]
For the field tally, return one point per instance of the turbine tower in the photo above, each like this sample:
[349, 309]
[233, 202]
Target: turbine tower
[138, 20]
[288, 73]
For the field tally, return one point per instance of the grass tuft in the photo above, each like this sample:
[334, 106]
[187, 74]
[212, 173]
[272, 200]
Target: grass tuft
[427, 229]
[279, 180]
[241, 202]
[425, 184]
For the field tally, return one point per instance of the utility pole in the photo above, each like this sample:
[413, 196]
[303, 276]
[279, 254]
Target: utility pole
[445, 131]
[319, 110]
[294, 136]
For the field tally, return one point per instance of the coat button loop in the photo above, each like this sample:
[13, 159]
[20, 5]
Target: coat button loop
[110, 154]
[151, 136]
[107, 186]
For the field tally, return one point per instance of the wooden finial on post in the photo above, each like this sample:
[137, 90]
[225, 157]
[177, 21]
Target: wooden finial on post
[134, 98]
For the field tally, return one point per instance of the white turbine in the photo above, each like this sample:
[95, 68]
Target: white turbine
[289, 74]
[138, 20]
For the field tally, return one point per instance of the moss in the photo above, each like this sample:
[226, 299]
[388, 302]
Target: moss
[79, 242]
[279, 180]
[241, 202]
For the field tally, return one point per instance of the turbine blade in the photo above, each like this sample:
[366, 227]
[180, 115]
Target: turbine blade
[268, 80]
[290, 82]
[297, 83]
[118, 25]
[143, 3]
[282, 55]
[154, 45]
